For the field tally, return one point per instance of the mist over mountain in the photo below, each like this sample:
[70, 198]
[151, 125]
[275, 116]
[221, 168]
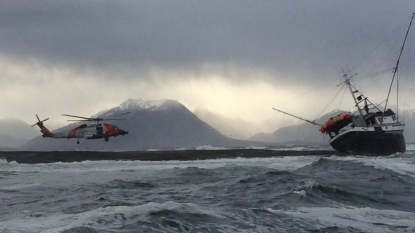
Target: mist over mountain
[278, 120]
[302, 134]
[161, 124]
[234, 128]
[17, 128]
[14, 133]
[241, 129]
[8, 142]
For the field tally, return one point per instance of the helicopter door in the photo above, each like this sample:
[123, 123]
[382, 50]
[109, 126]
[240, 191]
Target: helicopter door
[100, 130]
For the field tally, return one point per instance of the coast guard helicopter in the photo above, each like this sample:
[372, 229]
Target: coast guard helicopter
[88, 131]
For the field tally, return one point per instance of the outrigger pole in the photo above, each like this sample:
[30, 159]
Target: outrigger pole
[396, 69]
[311, 122]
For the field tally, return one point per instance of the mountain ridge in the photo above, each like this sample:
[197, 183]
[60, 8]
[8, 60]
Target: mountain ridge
[168, 124]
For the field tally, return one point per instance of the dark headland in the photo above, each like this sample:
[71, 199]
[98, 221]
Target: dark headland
[33, 157]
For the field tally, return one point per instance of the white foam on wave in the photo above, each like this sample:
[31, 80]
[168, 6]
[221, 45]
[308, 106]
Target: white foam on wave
[365, 219]
[282, 148]
[3, 162]
[296, 148]
[210, 147]
[19, 186]
[302, 193]
[285, 163]
[305, 184]
[410, 147]
[256, 148]
[96, 172]
[104, 218]
[154, 150]
[400, 163]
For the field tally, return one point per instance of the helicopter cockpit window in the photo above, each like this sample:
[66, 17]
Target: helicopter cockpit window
[82, 126]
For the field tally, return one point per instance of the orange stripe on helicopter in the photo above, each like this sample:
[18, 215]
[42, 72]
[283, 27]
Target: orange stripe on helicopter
[72, 133]
[45, 131]
[110, 129]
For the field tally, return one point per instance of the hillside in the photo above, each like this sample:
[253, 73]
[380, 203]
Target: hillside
[14, 133]
[304, 133]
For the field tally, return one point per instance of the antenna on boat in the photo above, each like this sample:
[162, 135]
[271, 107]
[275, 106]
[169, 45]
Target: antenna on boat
[347, 82]
[396, 69]
[357, 99]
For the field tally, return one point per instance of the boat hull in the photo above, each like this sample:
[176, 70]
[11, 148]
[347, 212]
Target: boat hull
[376, 143]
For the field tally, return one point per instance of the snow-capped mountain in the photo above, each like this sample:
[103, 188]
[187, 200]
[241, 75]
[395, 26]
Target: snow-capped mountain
[132, 105]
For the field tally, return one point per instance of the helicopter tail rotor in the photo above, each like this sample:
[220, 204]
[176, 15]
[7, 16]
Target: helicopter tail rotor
[40, 122]
[43, 129]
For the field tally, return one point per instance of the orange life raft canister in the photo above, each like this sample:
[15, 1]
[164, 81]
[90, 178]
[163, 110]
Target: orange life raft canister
[333, 121]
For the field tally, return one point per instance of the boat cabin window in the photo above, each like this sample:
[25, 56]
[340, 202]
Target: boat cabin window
[389, 112]
[358, 121]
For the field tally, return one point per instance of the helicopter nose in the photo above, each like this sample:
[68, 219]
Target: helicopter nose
[123, 132]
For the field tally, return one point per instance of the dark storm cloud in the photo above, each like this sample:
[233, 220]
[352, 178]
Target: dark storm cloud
[301, 39]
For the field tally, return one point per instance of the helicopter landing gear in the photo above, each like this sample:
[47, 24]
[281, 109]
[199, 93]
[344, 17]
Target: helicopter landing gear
[106, 139]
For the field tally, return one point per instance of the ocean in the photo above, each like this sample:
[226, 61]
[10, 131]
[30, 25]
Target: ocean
[279, 194]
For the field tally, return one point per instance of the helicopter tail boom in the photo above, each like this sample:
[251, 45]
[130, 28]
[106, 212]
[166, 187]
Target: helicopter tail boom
[46, 132]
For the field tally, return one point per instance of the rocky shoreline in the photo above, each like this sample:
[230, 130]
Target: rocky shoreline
[33, 157]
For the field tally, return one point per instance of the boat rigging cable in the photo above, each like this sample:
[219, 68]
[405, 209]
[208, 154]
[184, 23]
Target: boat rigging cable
[335, 97]
[378, 46]
[397, 66]
[311, 122]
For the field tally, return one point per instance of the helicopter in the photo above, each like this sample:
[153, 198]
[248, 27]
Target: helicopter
[87, 131]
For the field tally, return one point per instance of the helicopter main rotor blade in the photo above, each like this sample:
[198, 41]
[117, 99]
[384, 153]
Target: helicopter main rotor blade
[97, 119]
[86, 118]
[105, 119]
[121, 114]
[79, 120]
[100, 119]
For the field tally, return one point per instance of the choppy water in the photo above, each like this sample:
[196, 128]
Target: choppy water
[285, 194]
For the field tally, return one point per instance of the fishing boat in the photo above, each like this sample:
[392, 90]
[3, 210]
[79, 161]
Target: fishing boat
[371, 129]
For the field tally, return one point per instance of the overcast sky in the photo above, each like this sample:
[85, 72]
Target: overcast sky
[238, 58]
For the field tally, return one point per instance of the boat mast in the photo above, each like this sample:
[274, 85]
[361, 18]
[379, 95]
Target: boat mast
[395, 70]
[352, 92]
